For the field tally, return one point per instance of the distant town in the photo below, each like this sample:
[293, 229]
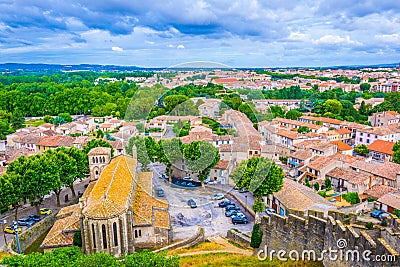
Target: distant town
[200, 161]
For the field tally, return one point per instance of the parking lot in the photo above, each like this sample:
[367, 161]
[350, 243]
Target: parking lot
[207, 214]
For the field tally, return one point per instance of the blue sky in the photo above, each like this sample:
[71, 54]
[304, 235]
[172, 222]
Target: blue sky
[167, 32]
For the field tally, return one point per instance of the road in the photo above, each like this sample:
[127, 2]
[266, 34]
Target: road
[49, 202]
[185, 220]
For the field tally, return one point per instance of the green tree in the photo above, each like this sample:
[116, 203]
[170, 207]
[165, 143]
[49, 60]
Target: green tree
[17, 119]
[396, 152]
[351, 197]
[293, 114]
[97, 143]
[328, 184]
[99, 134]
[140, 127]
[66, 116]
[303, 129]
[4, 129]
[258, 206]
[334, 106]
[365, 87]
[12, 191]
[260, 176]
[48, 119]
[256, 236]
[146, 258]
[58, 121]
[200, 157]
[316, 186]
[361, 149]
[363, 108]
[172, 101]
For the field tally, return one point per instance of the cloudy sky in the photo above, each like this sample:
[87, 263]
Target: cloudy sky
[237, 33]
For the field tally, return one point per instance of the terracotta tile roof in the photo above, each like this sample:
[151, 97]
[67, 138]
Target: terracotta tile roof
[88, 190]
[222, 164]
[16, 153]
[298, 123]
[302, 154]
[350, 176]
[363, 165]
[297, 196]
[117, 144]
[106, 125]
[322, 119]
[29, 139]
[391, 199]
[82, 140]
[56, 141]
[343, 131]
[146, 209]
[111, 194]
[99, 151]
[341, 146]
[288, 134]
[382, 146]
[225, 148]
[345, 158]
[381, 131]
[62, 232]
[388, 170]
[379, 190]
[322, 146]
[320, 162]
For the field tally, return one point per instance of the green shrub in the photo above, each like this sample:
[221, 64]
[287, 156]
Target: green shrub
[256, 236]
[351, 197]
[369, 225]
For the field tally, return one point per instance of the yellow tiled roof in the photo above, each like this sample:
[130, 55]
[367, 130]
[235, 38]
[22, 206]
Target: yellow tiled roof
[112, 192]
[146, 209]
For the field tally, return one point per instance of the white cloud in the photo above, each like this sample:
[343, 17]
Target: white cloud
[150, 42]
[297, 36]
[335, 39]
[388, 38]
[117, 48]
[181, 46]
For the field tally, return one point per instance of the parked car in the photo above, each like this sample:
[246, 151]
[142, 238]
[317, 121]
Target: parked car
[25, 222]
[45, 211]
[236, 220]
[186, 178]
[243, 190]
[160, 192]
[164, 176]
[225, 203]
[218, 196]
[240, 214]
[269, 211]
[383, 215]
[34, 217]
[213, 182]
[10, 230]
[232, 207]
[230, 213]
[192, 204]
[376, 213]
[191, 184]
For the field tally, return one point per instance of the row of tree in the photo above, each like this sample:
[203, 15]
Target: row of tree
[32, 178]
[73, 256]
[198, 156]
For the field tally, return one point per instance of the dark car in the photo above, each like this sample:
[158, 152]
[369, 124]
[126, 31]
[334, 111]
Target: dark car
[229, 213]
[232, 207]
[243, 190]
[236, 220]
[160, 193]
[376, 213]
[225, 203]
[192, 204]
[25, 222]
[34, 217]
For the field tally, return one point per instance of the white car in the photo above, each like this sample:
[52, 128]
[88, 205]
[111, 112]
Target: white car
[239, 214]
[187, 178]
[212, 182]
[218, 196]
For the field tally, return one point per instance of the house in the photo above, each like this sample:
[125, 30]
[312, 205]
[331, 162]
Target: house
[390, 202]
[294, 124]
[327, 122]
[220, 173]
[118, 146]
[28, 141]
[349, 180]
[52, 142]
[378, 190]
[389, 173]
[218, 140]
[295, 196]
[384, 118]
[300, 158]
[323, 148]
[381, 150]
[343, 148]
[318, 167]
[210, 108]
[369, 135]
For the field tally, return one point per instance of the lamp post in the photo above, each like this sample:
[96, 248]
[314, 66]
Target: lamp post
[246, 200]
[15, 227]
[4, 233]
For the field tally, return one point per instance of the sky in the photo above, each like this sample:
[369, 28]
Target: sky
[238, 33]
